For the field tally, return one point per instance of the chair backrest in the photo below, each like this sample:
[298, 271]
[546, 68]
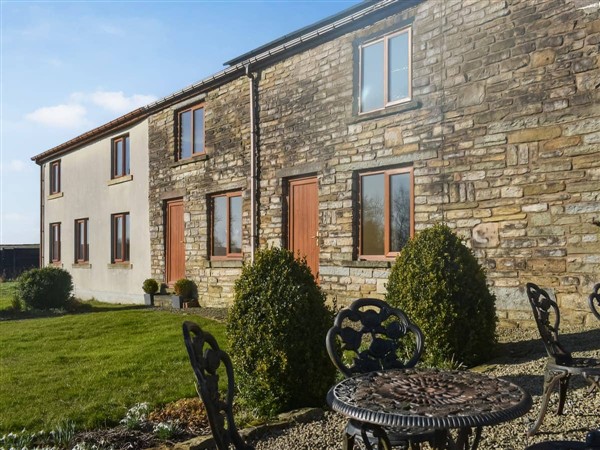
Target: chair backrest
[206, 357]
[594, 301]
[371, 335]
[547, 318]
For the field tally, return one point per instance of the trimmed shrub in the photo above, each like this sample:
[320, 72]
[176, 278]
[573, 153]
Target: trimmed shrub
[185, 288]
[277, 329]
[440, 285]
[45, 288]
[150, 286]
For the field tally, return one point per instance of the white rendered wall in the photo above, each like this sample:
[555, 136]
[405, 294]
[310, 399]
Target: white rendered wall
[88, 192]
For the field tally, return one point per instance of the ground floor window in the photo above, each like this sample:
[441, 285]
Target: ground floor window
[81, 241]
[55, 242]
[386, 212]
[226, 227]
[120, 237]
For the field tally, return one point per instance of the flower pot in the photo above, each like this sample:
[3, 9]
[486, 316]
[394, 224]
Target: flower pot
[176, 301]
[149, 299]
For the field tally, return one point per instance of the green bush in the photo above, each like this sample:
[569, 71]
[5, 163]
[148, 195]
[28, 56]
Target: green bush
[185, 288]
[277, 329]
[438, 282]
[45, 288]
[150, 286]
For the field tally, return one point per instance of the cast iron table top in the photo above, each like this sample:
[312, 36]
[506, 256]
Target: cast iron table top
[429, 398]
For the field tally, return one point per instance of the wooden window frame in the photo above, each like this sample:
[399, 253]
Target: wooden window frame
[55, 176]
[229, 255]
[54, 253]
[85, 257]
[192, 132]
[385, 39]
[388, 173]
[120, 163]
[125, 251]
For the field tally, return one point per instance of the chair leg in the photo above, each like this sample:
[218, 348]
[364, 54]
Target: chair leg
[563, 386]
[550, 380]
[348, 443]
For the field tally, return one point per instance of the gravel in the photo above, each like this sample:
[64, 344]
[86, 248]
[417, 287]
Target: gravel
[521, 359]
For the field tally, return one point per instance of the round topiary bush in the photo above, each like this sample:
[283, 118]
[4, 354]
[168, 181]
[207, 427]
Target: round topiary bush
[45, 288]
[150, 286]
[277, 329]
[440, 285]
[184, 288]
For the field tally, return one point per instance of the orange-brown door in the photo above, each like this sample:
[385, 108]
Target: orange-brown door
[175, 241]
[304, 221]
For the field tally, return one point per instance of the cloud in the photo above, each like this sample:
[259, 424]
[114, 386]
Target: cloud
[61, 116]
[16, 166]
[117, 101]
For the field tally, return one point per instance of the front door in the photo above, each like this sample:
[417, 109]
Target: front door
[304, 221]
[175, 242]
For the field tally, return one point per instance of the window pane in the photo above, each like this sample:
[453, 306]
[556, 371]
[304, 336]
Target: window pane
[372, 214]
[118, 231]
[398, 67]
[199, 131]
[235, 224]
[372, 77]
[54, 178]
[127, 236]
[87, 244]
[220, 226]
[399, 211]
[127, 168]
[119, 158]
[185, 135]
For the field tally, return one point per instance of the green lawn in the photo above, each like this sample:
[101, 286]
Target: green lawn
[7, 290]
[90, 368]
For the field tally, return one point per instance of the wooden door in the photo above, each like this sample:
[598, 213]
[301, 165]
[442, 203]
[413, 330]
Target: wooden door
[304, 221]
[175, 242]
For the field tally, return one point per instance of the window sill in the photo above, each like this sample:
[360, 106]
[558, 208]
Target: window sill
[57, 195]
[121, 265]
[378, 264]
[120, 180]
[190, 160]
[390, 110]
[226, 263]
[56, 264]
[81, 266]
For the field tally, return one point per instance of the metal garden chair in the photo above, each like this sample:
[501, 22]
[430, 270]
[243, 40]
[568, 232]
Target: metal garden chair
[206, 357]
[594, 301]
[592, 442]
[560, 365]
[368, 336]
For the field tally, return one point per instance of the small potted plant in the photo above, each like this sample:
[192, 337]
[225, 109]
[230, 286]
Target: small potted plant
[184, 291]
[150, 288]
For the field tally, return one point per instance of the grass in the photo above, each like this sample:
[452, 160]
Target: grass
[7, 291]
[90, 368]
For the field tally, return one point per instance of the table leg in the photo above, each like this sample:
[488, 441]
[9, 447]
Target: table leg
[383, 442]
[463, 438]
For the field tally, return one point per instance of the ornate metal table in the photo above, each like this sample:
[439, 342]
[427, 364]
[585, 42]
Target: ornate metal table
[429, 398]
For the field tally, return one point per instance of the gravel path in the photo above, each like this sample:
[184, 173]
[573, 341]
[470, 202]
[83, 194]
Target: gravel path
[521, 360]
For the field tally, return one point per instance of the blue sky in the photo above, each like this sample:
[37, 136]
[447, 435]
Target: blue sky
[67, 67]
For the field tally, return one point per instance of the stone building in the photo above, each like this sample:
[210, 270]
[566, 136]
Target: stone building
[343, 139]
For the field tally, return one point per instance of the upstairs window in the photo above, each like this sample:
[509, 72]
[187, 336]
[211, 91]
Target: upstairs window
[120, 157]
[55, 242]
[55, 177]
[120, 237]
[226, 230]
[385, 71]
[191, 132]
[386, 212]
[82, 246]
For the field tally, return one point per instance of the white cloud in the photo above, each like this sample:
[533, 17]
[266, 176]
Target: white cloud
[15, 165]
[61, 116]
[119, 103]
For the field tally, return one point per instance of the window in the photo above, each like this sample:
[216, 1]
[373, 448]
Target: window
[120, 237]
[82, 247]
[120, 157]
[55, 177]
[385, 71]
[191, 132]
[227, 226]
[386, 212]
[55, 242]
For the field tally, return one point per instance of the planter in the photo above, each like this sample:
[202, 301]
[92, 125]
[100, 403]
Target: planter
[149, 299]
[176, 301]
